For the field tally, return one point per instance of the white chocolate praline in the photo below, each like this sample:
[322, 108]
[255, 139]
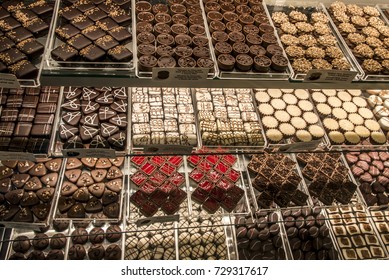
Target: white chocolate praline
[156, 240]
[381, 111]
[355, 92]
[143, 244]
[197, 251]
[373, 91]
[208, 237]
[329, 92]
[131, 242]
[158, 253]
[287, 90]
[131, 254]
[184, 238]
[274, 93]
[384, 123]
[374, 100]
[185, 251]
[169, 254]
[145, 255]
[220, 238]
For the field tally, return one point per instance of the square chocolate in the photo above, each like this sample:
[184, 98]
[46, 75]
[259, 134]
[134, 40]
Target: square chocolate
[37, 27]
[92, 53]
[147, 188]
[19, 34]
[106, 42]
[177, 179]
[41, 130]
[31, 47]
[148, 208]
[8, 24]
[79, 42]
[178, 196]
[96, 14]
[64, 52]
[170, 207]
[23, 69]
[138, 198]
[12, 56]
[9, 114]
[211, 205]
[82, 22]
[120, 54]
[66, 32]
[93, 32]
[26, 115]
[139, 178]
[107, 24]
[22, 129]
[199, 195]
[159, 197]
[120, 34]
[5, 43]
[70, 13]
[196, 175]
[44, 119]
[157, 178]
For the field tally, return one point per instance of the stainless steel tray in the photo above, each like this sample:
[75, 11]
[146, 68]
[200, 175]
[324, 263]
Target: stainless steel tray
[308, 8]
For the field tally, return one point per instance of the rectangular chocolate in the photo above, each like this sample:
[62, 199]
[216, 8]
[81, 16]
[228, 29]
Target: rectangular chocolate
[46, 108]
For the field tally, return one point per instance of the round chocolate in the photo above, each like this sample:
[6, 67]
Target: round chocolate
[186, 62]
[262, 63]
[96, 252]
[21, 244]
[113, 233]
[147, 62]
[77, 252]
[58, 241]
[79, 236]
[226, 62]
[36, 255]
[40, 241]
[113, 252]
[55, 255]
[96, 235]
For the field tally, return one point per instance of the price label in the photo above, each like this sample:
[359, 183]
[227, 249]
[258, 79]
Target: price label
[17, 156]
[168, 149]
[9, 81]
[300, 146]
[330, 76]
[84, 153]
[180, 74]
[153, 220]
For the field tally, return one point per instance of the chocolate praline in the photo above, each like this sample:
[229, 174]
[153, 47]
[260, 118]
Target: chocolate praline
[186, 62]
[166, 61]
[262, 64]
[147, 62]
[226, 62]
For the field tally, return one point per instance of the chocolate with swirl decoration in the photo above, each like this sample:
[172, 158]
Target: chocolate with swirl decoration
[72, 92]
[89, 93]
[118, 140]
[119, 106]
[105, 98]
[107, 130]
[89, 107]
[106, 113]
[91, 120]
[120, 93]
[71, 118]
[67, 131]
[72, 105]
[73, 143]
[99, 142]
[119, 120]
[87, 132]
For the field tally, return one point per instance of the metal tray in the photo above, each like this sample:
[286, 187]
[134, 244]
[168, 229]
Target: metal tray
[212, 73]
[81, 67]
[89, 217]
[30, 235]
[355, 200]
[56, 146]
[38, 224]
[308, 8]
[162, 148]
[336, 218]
[88, 244]
[365, 76]
[228, 148]
[254, 192]
[39, 62]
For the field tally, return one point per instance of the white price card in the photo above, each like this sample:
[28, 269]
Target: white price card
[330, 76]
[17, 156]
[8, 81]
[84, 153]
[180, 74]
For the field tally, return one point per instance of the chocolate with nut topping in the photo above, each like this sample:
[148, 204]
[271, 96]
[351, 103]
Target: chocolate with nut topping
[146, 49]
[163, 18]
[166, 61]
[164, 50]
[262, 63]
[165, 39]
[244, 62]
[223, 47]
[144, 27]
[186, 62]
[161, 28]
[205, 62]
[183, 51]
[226, 62]
[147, 62]
[183, 39]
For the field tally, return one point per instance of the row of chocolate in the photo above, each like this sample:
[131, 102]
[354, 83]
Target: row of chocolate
[243, 36]
[98, 118]
[347, 233]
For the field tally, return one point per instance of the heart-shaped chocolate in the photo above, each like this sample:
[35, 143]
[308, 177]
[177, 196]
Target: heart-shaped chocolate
[65, 203]
[85, 180]
[39, 170]
[99, 142]
[33, 184]
[118, 140]
[10, 163]
[115, 185]
[90, 120]
[45, 194]
[7, 212]
[73, 163]
[120, 120]
[54, 165]
[73, 143]
[112, 210]
[97, 189]
[89, 162]
[119, 106]
[81, 195]
[5, 184]
[18, 180]
[50, 179]
[118, 162]
[71, 118]
[67, 131]
[25, 166]
[103, 163]
[29, 199]
[114, 172]
[89, 107]
[98, 175]
[5, 172]
[105, 98]
[68, 188]
[120, 93]
[72, 92]
[24, 216]
[93, 205]
[106, 113]
[73, 175]
[76, 211]
[89, 93]
[14, 196]
[109, 197]
[41, 211]
[107, 129]
[72, 105]
[87, 132]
